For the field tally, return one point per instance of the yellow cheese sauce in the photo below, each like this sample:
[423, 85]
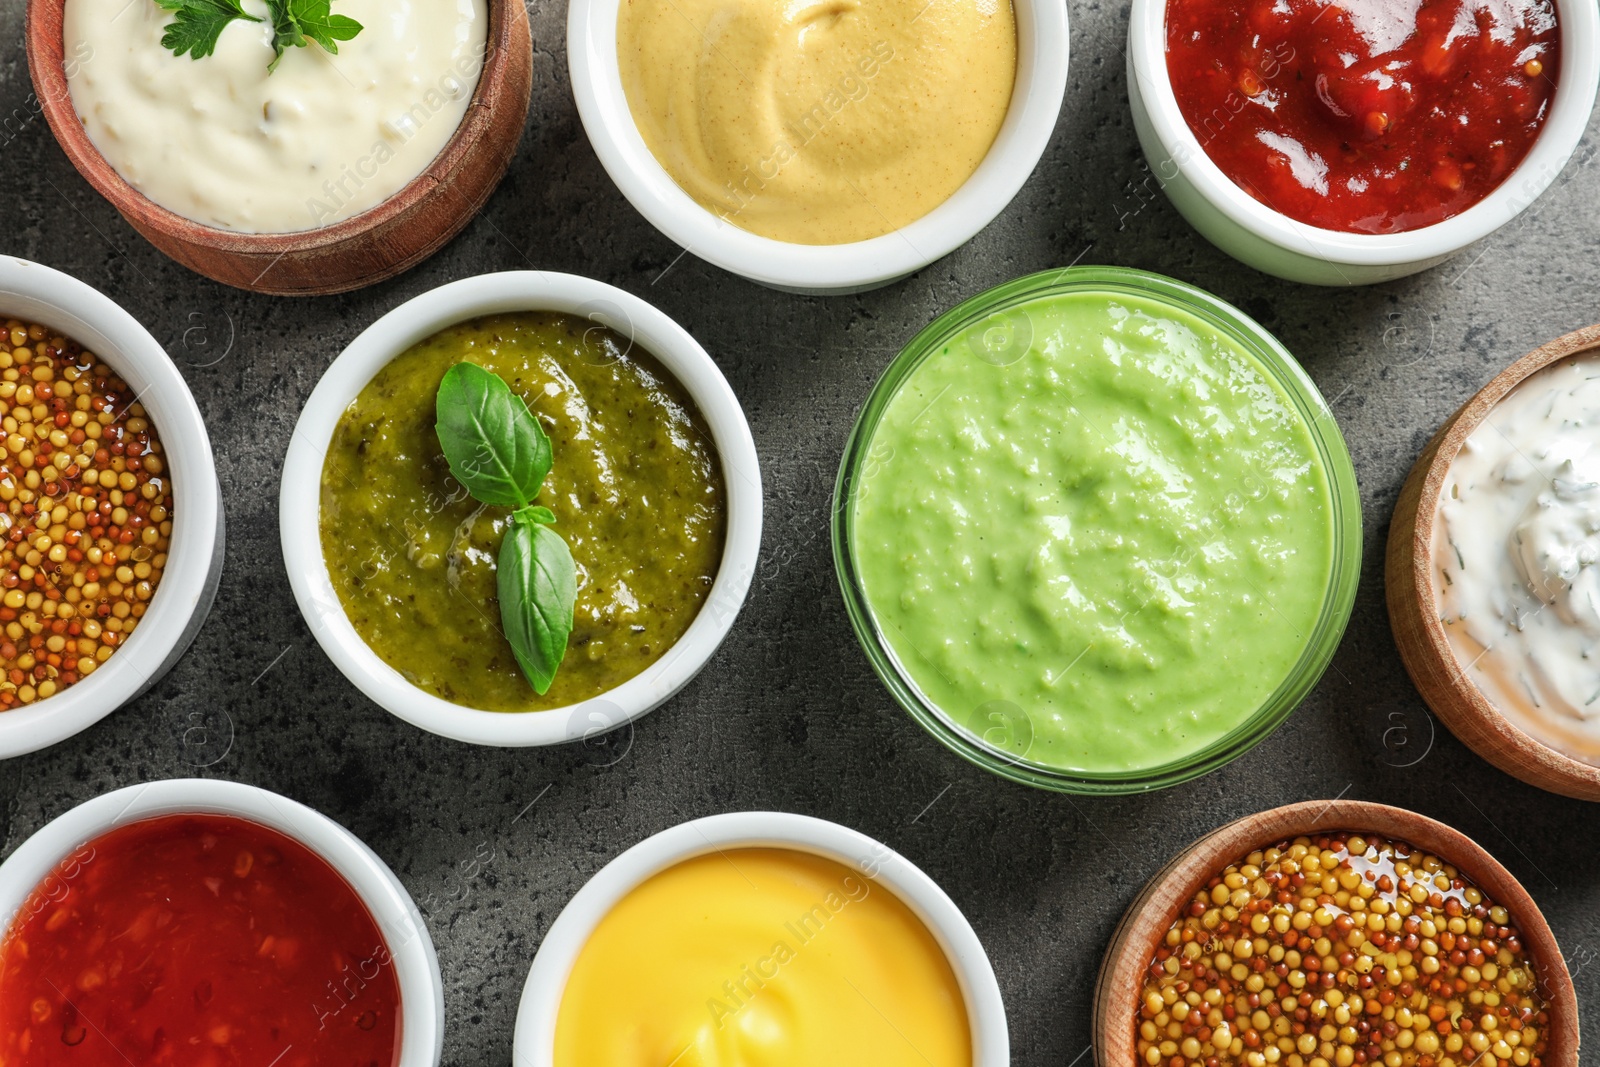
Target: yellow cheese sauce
[818, 121]
[762, 958]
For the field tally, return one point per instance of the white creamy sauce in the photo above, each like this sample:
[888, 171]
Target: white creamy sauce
[220, 141]
[1518, 554]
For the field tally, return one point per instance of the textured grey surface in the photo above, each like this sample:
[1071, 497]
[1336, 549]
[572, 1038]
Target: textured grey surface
[787, 715]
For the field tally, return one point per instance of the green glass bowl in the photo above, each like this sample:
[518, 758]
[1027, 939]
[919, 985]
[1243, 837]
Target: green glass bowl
[999, 336]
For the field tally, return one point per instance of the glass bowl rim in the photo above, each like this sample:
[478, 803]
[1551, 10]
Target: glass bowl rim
[1317, 417]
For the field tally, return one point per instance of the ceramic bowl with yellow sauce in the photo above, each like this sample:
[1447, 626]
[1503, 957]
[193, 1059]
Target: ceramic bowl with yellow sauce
[823, 147]
[654, 485]
[761, 937]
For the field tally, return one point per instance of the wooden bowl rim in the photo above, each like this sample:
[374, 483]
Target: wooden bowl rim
[1470, 703]
[1159, 903]
[45, 63]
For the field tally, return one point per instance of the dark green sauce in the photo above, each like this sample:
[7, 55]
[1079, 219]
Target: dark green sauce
[636, 487]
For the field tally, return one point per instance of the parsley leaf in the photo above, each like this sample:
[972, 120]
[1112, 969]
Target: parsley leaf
[197, 24]
[321, 25]
[285, 32]
[296, 21]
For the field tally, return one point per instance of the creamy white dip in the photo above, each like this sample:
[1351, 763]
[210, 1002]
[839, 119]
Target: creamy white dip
[324, 137]
[1518, 554]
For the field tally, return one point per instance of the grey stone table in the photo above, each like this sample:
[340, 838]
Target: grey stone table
[788, 715]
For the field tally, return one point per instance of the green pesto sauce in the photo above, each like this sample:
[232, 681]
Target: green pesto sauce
[635, 485]
[1106, 555]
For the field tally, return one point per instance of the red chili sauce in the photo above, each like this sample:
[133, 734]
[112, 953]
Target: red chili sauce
[200, 941]
[1368, 116]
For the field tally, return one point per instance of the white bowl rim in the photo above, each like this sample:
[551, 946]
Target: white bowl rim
[1030, 122]
[410, 946]
[547, 978]
[423, 316]
[1564, 128]
[95, 321]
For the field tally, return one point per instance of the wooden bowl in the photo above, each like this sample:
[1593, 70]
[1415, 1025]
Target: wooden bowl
[1147, 920]
[1414, 615]
[379, 243]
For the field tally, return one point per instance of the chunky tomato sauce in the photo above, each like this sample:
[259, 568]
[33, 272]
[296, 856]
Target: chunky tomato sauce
[197, 940]
[1369, 116]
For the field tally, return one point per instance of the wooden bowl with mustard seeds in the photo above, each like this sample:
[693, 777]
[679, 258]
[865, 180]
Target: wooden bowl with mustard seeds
[1424, 948]
[1414, 611]
[378, 243]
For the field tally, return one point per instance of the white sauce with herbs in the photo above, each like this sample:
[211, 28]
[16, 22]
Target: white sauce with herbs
[1518, 554]
[220, 141]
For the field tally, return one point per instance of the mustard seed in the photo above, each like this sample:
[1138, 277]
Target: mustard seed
[1337, 951]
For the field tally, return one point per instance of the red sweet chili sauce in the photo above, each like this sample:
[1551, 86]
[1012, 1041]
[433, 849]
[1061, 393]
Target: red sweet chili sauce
[1369, 116]
[200, 941]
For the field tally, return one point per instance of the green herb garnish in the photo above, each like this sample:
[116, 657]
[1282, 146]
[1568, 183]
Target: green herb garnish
[499, 452]
[197, 24]
[296, 21]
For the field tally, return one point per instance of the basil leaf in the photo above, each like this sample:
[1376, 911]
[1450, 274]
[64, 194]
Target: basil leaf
[493, 443]
[534, 513]
[197, 24]
[538, 586]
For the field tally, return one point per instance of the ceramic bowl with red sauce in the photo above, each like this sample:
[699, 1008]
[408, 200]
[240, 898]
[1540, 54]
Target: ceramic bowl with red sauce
[210, 923]
[1354, 141]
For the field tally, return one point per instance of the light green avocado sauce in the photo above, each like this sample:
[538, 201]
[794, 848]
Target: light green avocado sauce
[635, 484]
[1127, 534]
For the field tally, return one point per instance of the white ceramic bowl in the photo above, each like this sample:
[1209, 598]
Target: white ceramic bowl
[492, 294]
[416, 965]
[1248, 230]
[819, 269]
[533, 1045]
[39, 294]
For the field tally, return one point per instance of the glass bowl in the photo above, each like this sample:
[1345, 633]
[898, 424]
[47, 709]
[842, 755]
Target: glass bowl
[993, 324]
